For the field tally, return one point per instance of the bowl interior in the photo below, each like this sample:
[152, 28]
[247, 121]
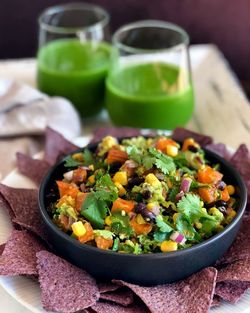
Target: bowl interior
[48, 194]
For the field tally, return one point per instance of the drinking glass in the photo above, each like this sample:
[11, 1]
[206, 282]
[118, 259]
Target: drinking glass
[73, 56]
[149, 82]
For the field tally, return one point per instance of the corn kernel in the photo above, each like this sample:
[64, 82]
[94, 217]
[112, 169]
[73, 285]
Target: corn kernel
[121, 177]
[140, 220]
[198, 225]
[231, 190]
[175, 216]
[171, 150]
[78, 156]
[78, 229]
[108, 220]
[121, 189]
[152, 180]
[232, 213]
[204, 210]
[91, 167]
[168, 246]
[91, 179]
[152, 205]
[219, 228]
[215, 212]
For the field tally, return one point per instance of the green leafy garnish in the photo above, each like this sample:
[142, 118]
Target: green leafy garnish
[104, 233]
[70, 162]
[162, 225]
[162, 161]
[184, 227]
[105, 189]
[94, 210]
[88, 157]
[120, 224]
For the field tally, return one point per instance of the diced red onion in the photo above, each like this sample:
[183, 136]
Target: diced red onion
[185, 184]
[177, 237]
[179, 196]
[68, 175]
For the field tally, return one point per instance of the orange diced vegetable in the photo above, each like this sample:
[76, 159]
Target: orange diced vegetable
[67, 189]
[224, 195]
[207, 175]
[79, 175]
[80, 198]
[208, 195]
[89, 235]
[140, 229]
[103, 243]
[189, 142]
[115, 155]
[162, 144]
[121, 204]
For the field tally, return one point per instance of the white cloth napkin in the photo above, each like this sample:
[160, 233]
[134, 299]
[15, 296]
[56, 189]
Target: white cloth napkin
[26, 111]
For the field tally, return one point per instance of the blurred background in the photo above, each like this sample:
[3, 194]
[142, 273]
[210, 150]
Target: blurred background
[222, 22]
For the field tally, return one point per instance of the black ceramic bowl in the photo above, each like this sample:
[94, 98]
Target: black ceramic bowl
[146, 269]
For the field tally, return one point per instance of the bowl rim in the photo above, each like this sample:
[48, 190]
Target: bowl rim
[157, 255]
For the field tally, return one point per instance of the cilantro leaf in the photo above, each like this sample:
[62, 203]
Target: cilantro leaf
[134, 154]
[94, 210]
[120, 225]
[160, 237]
[88, 157]
[70, 162]
[105, 189]
[184, 227]
[148, 162]
[162, 225]
[163, 162]
[190, 206]
[104, 233]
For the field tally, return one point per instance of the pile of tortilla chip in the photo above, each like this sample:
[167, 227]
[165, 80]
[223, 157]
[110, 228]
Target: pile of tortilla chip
[66, 288]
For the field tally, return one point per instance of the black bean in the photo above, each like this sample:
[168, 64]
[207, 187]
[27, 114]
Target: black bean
[135, 181]
[148, 214]
[114, 167]
[221, 185]
[221, 203]
[146, 194]
[222, 209]
[192, 149]
[140, 207]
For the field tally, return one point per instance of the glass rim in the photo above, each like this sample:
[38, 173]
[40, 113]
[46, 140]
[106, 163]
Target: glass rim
[147, 24]
[67, 7]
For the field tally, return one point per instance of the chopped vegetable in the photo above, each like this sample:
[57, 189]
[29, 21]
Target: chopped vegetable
[143, 196]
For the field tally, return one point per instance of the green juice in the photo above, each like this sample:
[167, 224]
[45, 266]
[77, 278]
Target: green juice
[76, 71]
[150, 95]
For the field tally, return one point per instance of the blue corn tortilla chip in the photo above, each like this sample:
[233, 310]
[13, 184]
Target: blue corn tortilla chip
[56, 146]
[216, 301]
[24, 206]
[193, 295]
[2, 246]
[117, 132]
[231, 291]
[238, 271]
[19, 254]
[32, 168]
[241, 161]
[220, 149]
[121, 296]
[107, 287]
[180, 134]
[65, 287]
[101, 307]
[240, 248]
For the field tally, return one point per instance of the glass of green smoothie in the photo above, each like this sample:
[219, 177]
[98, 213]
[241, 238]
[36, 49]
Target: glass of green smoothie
[74, 53]
[149, 82]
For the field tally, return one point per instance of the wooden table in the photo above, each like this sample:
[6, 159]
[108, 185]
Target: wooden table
[222, 110]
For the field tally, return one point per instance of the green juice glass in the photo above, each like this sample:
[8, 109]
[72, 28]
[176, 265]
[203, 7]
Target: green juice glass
[149, 82]
[74, 55]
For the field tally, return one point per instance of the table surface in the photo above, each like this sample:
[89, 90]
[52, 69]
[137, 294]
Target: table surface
[222, 109]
